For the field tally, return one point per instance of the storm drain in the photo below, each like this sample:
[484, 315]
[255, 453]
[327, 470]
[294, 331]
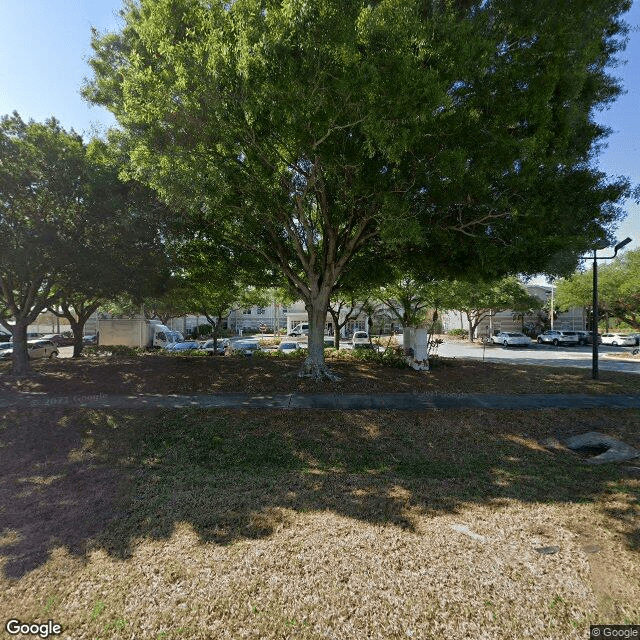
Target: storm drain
[599, 448]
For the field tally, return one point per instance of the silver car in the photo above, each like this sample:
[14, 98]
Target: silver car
[221, 346]
[558, 337]
[41, 349]
[247, 347]
[288, 346]
[36, 349]
[510, 339]
[619, 339]
[6, 350]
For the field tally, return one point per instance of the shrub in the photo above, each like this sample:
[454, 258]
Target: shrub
[115, 350]
[202, 330]
[387, 358]
[459, 333]
[280, 354]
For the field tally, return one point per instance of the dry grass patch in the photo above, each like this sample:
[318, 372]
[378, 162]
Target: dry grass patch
[221, 524]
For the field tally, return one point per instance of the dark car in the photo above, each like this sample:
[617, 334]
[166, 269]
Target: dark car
[186, 345]
[221, 346]
[62, 339]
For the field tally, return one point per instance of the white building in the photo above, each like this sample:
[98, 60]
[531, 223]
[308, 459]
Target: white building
[287, 317]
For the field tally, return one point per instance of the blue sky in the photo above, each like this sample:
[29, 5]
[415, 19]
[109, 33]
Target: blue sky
[44, 45]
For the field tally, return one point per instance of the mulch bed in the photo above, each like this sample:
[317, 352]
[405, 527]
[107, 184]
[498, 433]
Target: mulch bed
[163, 374]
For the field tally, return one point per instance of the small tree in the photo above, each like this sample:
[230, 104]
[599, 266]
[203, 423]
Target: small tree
[618, 289]
[478, 299]
[413, 300]
[350, 307]
[119, 249]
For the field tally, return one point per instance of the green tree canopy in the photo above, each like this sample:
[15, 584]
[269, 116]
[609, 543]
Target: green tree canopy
[478, 299]
[618, 289]
[43, 192]
[119, 247]
[311, 131]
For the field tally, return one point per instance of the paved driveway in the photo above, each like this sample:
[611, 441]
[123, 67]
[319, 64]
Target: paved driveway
[547, 355]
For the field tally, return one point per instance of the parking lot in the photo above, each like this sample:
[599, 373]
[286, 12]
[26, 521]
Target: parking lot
[540, 354]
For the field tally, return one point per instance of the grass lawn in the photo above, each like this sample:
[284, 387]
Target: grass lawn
[282, 524]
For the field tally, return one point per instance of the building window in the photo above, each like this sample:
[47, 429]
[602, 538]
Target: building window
[260, 311]
[247, 312]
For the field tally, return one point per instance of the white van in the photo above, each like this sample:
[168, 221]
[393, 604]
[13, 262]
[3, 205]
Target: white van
[301, 329]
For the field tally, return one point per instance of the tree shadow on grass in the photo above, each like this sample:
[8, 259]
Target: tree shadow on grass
[87, 479]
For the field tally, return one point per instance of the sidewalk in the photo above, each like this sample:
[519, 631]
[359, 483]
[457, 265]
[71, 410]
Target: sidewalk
[348, 402]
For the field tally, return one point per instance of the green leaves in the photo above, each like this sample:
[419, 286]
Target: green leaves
[618, 289]
[308, 133]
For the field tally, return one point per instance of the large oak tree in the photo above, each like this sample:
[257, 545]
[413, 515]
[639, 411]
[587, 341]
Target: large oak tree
[311, 130]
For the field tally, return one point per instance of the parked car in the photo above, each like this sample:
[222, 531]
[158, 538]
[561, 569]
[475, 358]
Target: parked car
[360, 337]
[637, 338]
[41, 349]
[558, 337]
[584, 337]
[6, 349]
[5, 337]
[618, 339]
[36, 349]
[90, 339]
[62, 339]
[222, 345]
[246, 347]
[288, 346]
[301, 329]
[510, 339]
[187, 345]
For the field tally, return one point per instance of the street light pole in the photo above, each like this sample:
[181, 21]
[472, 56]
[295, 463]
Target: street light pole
[594, 332]
[594, 328]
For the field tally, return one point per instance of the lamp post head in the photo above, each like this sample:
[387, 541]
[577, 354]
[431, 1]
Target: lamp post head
[622, 243]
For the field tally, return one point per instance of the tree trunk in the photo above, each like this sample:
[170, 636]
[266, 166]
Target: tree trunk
[21, 365]
[336, 328]
[314, 366]
[471, 327]
[77, 328]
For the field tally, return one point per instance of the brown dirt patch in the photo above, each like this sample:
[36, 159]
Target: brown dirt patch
[154, 373]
